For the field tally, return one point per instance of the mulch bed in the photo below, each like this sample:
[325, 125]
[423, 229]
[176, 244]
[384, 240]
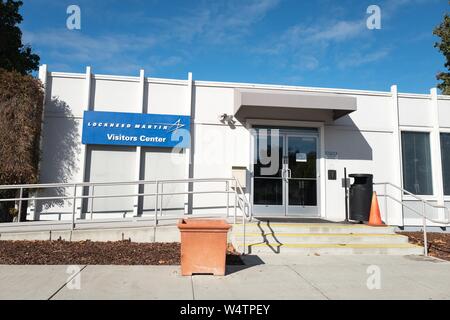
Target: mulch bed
[438, 243]
[95, 253]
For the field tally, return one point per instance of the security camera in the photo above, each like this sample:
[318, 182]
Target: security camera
[231, 120]
[225, 118]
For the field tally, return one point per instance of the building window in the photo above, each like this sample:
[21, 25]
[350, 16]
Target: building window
[445, 154]
[417, 175]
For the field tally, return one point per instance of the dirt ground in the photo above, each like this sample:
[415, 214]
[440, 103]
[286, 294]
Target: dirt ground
[95, 253]
[438, 243]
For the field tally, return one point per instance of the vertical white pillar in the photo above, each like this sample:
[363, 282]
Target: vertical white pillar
[395, 210]
[87, 89]
[436, 159]
[140, 109]
[322, 173]
[188, 151]
[43, 73]
[87, 107]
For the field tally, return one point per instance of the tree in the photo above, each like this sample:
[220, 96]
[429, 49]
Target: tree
[21, 104]
[14, 55]
[443, 32]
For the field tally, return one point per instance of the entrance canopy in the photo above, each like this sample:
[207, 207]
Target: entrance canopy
[291, 105]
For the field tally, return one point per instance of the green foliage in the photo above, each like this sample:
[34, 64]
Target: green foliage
[13, 212]
[21, 104]
[13, 54]
[443, 31]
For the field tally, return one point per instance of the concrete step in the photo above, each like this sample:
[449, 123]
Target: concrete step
[310, 228]
[332, 238]
[321, 239]
[336, 249]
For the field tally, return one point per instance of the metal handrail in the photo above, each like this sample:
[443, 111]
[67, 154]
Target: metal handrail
[158, 194]
[447, 221]
[422, 214]
[238, 186]
[91, 185]
[241, 200]
[247, 203]
[114, 183]
[111, 196]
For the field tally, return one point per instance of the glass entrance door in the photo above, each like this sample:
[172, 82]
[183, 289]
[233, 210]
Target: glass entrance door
[301, 175]
[285, 175]
[268, 174]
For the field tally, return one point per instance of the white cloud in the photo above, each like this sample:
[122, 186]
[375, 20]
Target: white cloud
[356, 59]
[84, 46]
[113, 53]
[216, 23]
[211, 23]
[311, 38]
[306, 62]
[302, 47]
[339, 31]
[327, 41]
[391, 8]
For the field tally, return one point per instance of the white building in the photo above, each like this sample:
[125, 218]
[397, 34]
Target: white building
[400, 138]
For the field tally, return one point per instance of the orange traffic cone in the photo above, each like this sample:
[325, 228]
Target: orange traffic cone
[375, 217]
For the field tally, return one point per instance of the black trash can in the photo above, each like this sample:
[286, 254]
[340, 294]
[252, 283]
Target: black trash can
[360, 196]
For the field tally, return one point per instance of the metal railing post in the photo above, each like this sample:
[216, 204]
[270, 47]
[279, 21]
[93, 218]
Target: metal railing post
[92, 201]
[425, 240]
[74, 205]
[19, 212]
[156, 204]
[161, 201]
[250, 208]
[34, 207]
[243, 218]
[227, 187]
[235, 201]
[385, 203]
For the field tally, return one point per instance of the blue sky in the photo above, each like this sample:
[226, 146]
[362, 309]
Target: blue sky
[323, 43]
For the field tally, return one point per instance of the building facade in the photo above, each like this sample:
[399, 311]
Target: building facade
[290, 143]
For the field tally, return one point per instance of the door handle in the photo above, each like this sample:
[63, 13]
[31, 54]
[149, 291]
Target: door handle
[289, 173]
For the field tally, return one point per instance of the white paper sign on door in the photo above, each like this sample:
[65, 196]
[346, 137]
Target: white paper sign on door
[300, 157]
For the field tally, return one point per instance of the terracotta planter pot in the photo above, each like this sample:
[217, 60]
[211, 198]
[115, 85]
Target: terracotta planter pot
[203, 246]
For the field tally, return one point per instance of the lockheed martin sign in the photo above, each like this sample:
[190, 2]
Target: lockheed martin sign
[136, 129]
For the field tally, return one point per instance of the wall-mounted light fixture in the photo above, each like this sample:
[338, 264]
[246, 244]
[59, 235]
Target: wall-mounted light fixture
[228, 119]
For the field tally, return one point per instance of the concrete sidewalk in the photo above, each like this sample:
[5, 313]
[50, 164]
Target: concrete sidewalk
[264, 277]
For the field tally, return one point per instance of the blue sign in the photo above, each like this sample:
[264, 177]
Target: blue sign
[136, 129]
